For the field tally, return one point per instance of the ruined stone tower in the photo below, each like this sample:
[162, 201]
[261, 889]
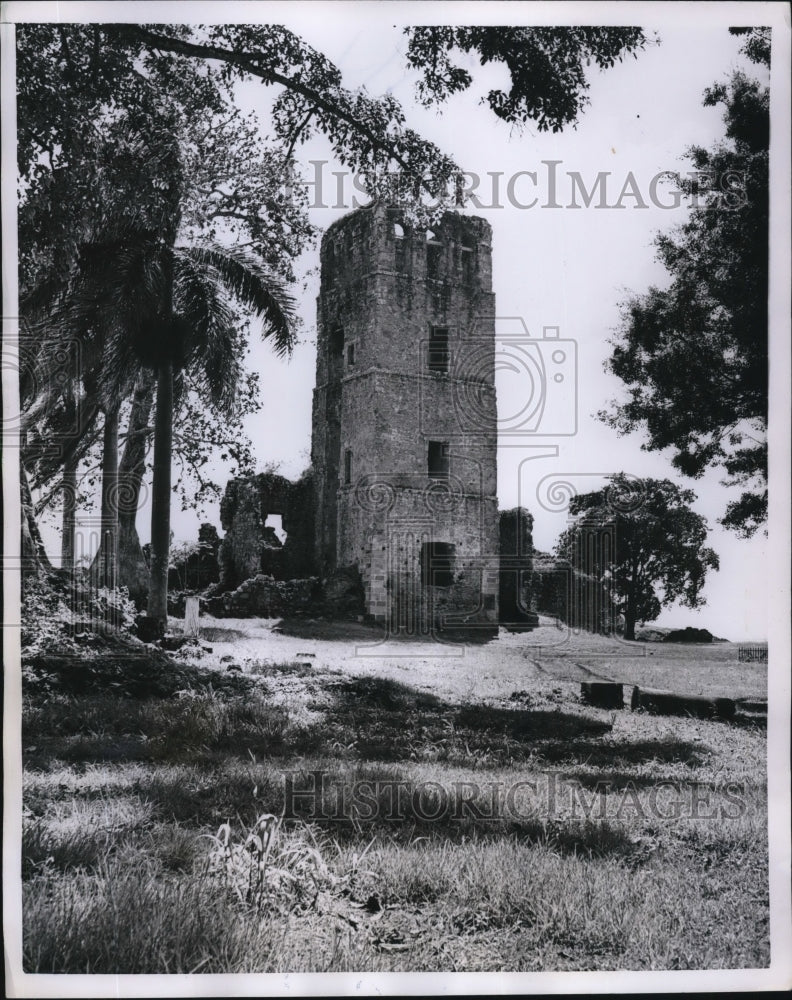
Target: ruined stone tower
[404, 418]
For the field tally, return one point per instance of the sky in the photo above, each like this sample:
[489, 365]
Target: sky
[552, 267]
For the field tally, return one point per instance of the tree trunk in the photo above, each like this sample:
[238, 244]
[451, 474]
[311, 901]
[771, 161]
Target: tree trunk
[69, 487]
[629, 612]
[161, 497]
[34, 555]
[133, 572]
[629, 625]
[107, 566]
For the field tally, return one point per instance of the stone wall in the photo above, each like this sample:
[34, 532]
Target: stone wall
[250, 546]
[262, 596]
[387, 403]
[516, 597]
[578, 599]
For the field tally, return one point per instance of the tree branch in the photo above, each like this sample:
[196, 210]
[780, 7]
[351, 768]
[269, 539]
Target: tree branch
[248, 64]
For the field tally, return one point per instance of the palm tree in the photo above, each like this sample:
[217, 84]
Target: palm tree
[128, 177]
[136, 301]
[133, 571]
[172, 312]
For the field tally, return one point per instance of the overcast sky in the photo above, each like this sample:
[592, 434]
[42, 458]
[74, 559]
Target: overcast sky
[557, 267]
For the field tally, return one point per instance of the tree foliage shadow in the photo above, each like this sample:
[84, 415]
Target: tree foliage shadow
[400, 810]
[615, 756]
[388, 721]
[748, 721]
[329, 630]
[608, 781]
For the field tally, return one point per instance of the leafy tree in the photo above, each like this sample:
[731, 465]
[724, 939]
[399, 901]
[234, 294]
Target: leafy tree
[547, 66]
[693, 356]
[112, 176]
[655, 551]
[548, 86]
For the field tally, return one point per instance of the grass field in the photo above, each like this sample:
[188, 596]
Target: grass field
[333, 812]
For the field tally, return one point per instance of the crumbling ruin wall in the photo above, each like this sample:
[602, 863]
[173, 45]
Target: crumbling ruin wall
[250, 546]
[516, 595]
[578, 599]
[261, 596]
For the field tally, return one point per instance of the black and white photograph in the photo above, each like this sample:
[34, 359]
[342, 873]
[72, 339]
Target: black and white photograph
[396, 491]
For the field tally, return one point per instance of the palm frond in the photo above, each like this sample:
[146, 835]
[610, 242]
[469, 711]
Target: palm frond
[254, 286]
[209, 336]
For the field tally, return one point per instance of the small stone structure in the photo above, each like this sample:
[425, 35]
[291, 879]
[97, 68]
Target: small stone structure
[250, 546]
[602, 694]
[668, 703]
[516, 571]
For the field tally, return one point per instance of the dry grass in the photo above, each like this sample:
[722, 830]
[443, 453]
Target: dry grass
[151, 838]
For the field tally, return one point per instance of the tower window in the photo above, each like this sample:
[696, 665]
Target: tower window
[348, 466]
[437, 564]
[399, 248]
[351, 354]
[438, 349]
[434, 258]
[439, 460]
[468, 261]
[337, 342]
[400, 255]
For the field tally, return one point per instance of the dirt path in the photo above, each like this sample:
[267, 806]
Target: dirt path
[488, 670]
[536, 661]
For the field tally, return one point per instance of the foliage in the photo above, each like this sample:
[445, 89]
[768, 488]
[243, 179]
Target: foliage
[95, 118]
[266, 871]
[547, 66]
[46, 617]
[114, 669]
[655, 552]
[693, 356]
[193, 565]
[63, 617]
[370, 134]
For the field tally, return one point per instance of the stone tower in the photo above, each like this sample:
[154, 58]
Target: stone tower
[404, 418]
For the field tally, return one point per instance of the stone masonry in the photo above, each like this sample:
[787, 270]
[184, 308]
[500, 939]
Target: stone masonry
[404, 419]
[250, 546]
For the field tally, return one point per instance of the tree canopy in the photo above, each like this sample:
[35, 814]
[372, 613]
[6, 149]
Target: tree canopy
[546, 66]
[693, 356]
[92, 97]
[655, 552]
